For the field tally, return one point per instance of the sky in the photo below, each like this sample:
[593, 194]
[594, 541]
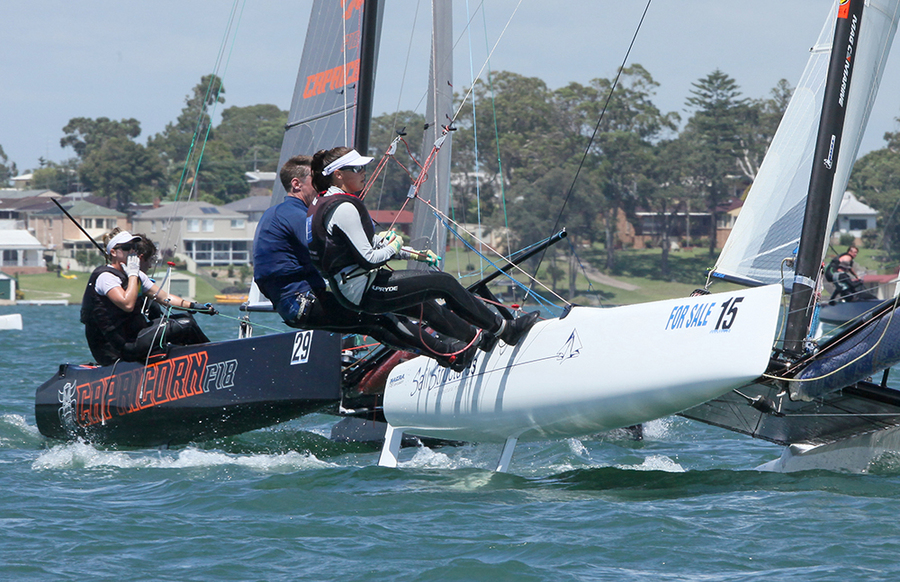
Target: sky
[63, 59]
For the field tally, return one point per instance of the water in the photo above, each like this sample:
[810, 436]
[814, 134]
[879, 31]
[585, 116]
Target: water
[287, 504]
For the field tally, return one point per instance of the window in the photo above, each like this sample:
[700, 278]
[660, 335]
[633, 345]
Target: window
[87, 222]
[193, 225]
[858, 224]
[10, 258]
[237, 223]
[208, 225]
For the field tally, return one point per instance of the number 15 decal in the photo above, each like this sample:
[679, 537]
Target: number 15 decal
[729, 312]
[302, 343]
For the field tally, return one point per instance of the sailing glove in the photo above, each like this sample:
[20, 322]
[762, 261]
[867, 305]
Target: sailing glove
[133, 266]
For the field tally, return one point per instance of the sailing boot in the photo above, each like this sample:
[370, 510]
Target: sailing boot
[514, 329]
[461, 361]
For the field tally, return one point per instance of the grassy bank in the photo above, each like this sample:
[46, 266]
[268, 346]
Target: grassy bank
[44, 286]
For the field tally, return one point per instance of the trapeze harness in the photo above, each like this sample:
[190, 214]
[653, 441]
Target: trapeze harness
[107, 327]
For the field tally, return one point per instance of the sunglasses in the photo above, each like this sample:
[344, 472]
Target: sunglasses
[354, 169]
[127, 247]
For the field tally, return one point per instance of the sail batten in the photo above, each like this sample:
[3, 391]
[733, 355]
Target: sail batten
[768, 228]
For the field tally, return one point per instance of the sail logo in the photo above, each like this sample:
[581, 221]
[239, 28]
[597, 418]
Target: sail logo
[571, 349]
[351, 6]
[844, 9]
[332, 79]
[845, 79]
[829, 161]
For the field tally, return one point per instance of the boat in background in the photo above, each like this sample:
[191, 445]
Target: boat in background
[12, 321]
[826, 399]
[194, 393]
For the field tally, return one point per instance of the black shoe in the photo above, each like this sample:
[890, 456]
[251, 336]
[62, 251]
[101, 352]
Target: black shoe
[518, 327]
[461, 361]
[488, 341]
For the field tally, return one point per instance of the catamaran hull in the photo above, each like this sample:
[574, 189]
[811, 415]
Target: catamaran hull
[193, 393]
[593, 370]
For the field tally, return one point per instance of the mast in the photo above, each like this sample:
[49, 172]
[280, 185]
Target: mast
[818, 201]
[427, 232]
[368, 57]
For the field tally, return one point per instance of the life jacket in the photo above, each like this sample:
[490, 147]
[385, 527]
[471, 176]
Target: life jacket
[330, 253]
[832, 269]
[106, 326]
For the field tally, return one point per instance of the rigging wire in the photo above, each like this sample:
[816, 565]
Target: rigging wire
[587, 149]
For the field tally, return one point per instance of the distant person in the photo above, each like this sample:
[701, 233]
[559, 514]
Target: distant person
[847, 284]
[285, 274]
[346, 249]
[114, 325]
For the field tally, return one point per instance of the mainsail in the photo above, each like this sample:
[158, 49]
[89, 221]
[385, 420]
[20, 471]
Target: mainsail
[332, 102]
[427, 232]
[768, 229]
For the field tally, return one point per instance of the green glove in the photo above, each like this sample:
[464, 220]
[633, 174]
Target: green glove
[428, 257]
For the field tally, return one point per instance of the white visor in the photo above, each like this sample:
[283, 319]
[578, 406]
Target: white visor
[351, 158]
[120, 239]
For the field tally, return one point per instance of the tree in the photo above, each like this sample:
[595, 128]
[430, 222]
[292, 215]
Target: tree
[221, 177]
[123, 170]
[83, 134]
[760, 121]
[876, 179]
[253, 134]
[180, 143]
[398, 174]
[62, 178]
[6, 171]
[627, 125]
[714, 135]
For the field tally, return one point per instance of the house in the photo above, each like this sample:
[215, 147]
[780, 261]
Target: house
[854, 217]
[252, 206]
[58, 233]
[210, 235]
[20, 253]
[261, 179]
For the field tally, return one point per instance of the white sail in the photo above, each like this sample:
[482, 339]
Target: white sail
[768, 228]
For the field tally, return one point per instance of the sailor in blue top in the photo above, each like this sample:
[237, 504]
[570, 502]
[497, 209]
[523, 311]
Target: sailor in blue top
[286, 276]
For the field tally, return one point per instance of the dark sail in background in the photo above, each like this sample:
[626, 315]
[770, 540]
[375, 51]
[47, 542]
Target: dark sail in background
[335, 80]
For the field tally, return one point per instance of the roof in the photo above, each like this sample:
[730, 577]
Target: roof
[8, 193]
[250, 204]
[189, 210]
[254, 177]
[850, 204]
[83, 208]
[18, 239]
[391, 216]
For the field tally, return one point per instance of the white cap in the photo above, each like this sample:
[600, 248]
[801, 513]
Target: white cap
[351, 158]
[120, 239]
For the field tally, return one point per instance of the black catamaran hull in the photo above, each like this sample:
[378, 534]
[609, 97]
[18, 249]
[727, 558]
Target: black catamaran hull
[193, 393]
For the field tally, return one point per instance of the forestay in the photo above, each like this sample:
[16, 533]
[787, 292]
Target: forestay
[768, 228]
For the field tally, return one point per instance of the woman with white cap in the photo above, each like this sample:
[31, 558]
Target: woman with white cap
[110, 309]
[345, 248]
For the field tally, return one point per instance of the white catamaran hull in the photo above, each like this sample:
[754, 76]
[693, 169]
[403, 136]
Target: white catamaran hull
[851, 455]
[594, 370]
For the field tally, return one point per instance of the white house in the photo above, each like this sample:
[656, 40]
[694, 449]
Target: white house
[854, 217]
[210, 235]
[20, 252]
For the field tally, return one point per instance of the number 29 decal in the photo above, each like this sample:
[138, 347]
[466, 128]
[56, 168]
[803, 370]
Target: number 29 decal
[302, 344]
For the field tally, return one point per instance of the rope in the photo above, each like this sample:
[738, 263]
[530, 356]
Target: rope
[851, 362]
